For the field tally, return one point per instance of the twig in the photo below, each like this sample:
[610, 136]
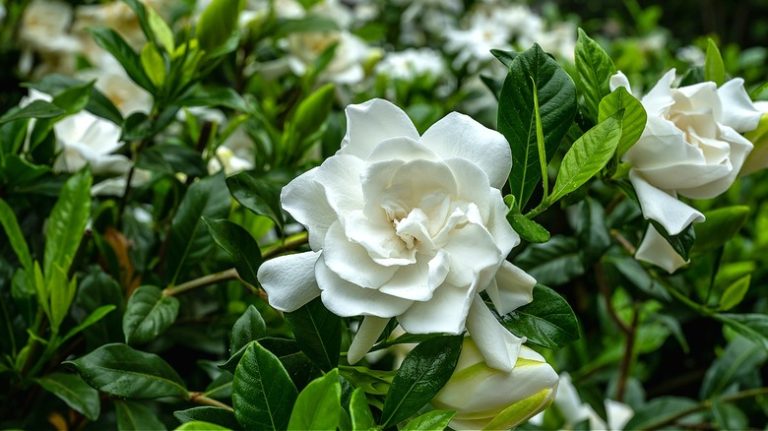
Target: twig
[624, 242]
[602, 286]
[626, 361]
[707, 404]
[229, 274]
[200, 398]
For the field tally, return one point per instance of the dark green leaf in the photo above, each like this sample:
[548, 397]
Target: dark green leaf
[260, 194]
[556, 94]
[714, 68]
[528, 229]
[432, 420]
[214, 415]
[119, 370]
[75, 98]
[359, 412]
[720, 226]
[423, 373]
[306, 24]
[89, 321]
[249, 327]
[66, 225]
[594, 69]
[71, 389]
[741, 357]
[148, 314]
[239, 245]
[215, 97]
[189, 240]
[505, 57]
[318, 333]
[36, 109]
[132, 415]
[98, 103]
[728, 416]
[318, 406]
[632, 117]
[15, 236]
[263, 393]
[553, 263]
[751, 325]
[313, 111]
[548, 321]
[658, 411]
[171, 158]
[592, 232]
[734, 293]
[586, 157]
[111, 41]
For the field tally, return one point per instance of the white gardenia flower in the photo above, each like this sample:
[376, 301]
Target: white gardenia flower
[347, 64]
[407, 226]
[487, 398]
[411, 63]
[574, 411]
[44, 29]
[85, 139]
[691, 146]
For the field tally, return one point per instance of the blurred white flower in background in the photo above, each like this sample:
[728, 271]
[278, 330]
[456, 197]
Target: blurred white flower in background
[411, 64]
[691, 146]
[112, 80]
[692, 55]
[574, 411]
[44, 31]
[559, 40]
[234, 155]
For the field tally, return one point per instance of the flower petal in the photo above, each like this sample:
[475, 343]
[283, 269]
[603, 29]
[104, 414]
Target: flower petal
[290, 280]
[340, 177]
[372, 122]
[619, 79]
[471, 249]
[663, 207]
[366, 337]
[304, 199]
[659, 99]
[347, 299]
[351, 261]
[738, 112]
[472, 184]
[445, 312]
[656, 250]
[401, 148]
[503, 235]
[511, 289]
[457, 135]
[499, 347]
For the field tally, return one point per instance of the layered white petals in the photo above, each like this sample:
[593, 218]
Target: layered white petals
[656, 250]
[412, 227]
[290, 280]
[663, 207]
[499, 347]
[372, 122]
[511, 289]
[457, 135]
[366, 337]
[739, 113]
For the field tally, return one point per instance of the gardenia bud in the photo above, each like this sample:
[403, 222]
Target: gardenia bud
[487, 398]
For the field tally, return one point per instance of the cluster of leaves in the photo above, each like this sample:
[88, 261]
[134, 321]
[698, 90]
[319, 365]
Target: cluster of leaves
[143, 311]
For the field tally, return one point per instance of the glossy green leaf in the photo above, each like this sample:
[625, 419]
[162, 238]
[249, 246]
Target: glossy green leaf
[632, 118]
[741, 357]
[318, 333]
[586, 157]
[423, 373]
[201, 426]
[263, 393]
[720, 226]
[534, 70]
[213, 415]
[248, 327]
[153, 63]
[217, 22]
[751, 325]
[505, 57]
[554, 262]
[594, 68]
[239, 245]
[111, 41]
[36, 109]
[734, 293]
[132, 415]
[432, 420]
[75, 98]
[98, 103]
[359, 412]
[147, 314]
[548, 321]
[260, 194]
[313, 110]
[163, 34]
[119, 370]
[15, 236]
[592, 232]
[89, 321]
[528, 229]
[190, 241]
[714, 68]
[682, 242]
[71, 389]
[66, 224]
[318, 406]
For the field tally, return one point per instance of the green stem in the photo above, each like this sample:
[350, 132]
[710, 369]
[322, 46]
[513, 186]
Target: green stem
[200, 398]
[207, 280]
[292, 242]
